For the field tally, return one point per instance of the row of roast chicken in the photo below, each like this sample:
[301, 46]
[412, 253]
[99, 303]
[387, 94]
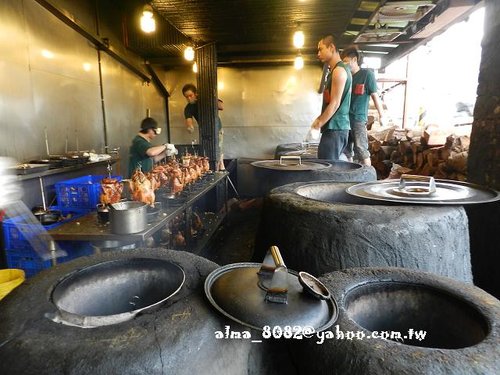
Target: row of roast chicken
[172, 174]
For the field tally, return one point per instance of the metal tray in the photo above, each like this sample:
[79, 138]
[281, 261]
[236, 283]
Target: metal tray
[30, 168]
[446, 192]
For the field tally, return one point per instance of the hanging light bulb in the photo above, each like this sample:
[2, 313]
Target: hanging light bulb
[298, 39]
[189, 53]
[298, 63]
[148, 24]
[195, 67]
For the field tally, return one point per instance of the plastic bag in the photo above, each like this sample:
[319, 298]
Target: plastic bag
[171, 150]
[312, 135]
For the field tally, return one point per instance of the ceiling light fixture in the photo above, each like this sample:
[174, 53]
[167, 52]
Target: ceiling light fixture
[148, 24]
[47, 54]
[298, 63]
[298, 39]
[189, 53]
[195, 67]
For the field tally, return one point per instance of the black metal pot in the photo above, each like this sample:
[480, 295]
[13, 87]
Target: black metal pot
[152, 212]
[268, 294]
[102, 213]
[46, 217]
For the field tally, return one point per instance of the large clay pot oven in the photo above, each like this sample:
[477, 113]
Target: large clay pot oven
[461, 324]
[135, 312]
[274, 173]
[319, 228]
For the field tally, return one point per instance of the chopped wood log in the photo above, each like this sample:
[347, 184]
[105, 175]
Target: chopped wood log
[420, 160]
[378, 156]
[458, 162]
[413, 149]
[375, 146]
[461, 143]
[433, 135]
[381, 135]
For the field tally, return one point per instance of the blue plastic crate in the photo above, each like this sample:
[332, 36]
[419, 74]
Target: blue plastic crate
[81, 192]
[29, 261]
[15, 229]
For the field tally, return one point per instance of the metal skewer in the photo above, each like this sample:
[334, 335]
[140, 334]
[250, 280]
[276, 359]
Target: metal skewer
[46, 142]
[42, 189]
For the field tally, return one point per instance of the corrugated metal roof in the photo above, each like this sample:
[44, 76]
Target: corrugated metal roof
[247, 31]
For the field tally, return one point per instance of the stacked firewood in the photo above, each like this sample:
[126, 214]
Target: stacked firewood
[427, 153]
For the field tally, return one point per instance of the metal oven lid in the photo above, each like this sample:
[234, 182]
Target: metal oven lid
[424, 190]
[291, 163]
[241, 292]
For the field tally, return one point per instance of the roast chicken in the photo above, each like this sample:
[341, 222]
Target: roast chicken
[161, 174]
[179, 240]
[142, 187]
[111, 191]
[174, 174]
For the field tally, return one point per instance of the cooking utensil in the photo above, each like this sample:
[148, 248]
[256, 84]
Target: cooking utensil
[44, 215]
[42, 190]
[424, 190]
[313, 286]
[128, 217]
[48, 217]
[46, 142]
[102, 214]
[268, 294]
[152, 212]
[77, 143]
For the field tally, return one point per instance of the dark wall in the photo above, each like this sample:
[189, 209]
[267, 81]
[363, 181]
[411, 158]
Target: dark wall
[484, 158]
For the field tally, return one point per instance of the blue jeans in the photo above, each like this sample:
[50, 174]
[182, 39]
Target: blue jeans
[358, 141]
[332, 144]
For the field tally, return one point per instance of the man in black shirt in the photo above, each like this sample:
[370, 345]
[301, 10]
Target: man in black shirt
[191, 112]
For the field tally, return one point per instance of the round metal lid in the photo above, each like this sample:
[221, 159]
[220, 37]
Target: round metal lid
[239, 292]
[310, 153]
[291, 163]
[424, 190]
[313, 286]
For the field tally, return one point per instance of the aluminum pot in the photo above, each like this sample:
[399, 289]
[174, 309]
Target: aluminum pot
[128, 217]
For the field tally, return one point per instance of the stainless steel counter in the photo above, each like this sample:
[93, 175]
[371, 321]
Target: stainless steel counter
[87, 228]
[69, 168]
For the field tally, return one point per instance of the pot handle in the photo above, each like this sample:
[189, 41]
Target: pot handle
[274, 266]
[290, 157]
[431, 188]
[272, 260]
